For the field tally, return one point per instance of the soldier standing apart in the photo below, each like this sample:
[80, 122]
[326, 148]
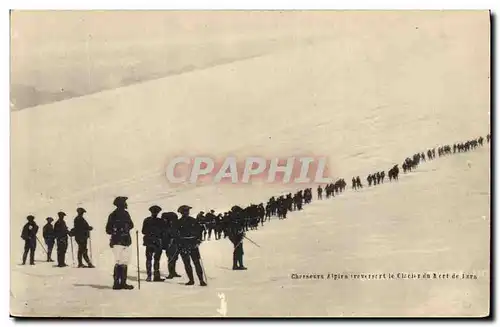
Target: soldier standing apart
[189, 240]
[236, 234]
[49, 237]
[153, 229]
[61, 232]
[28, 234]
[170, 240]
[118, 227]
[81, 232]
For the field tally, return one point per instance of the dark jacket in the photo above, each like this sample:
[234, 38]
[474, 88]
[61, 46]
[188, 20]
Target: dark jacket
[189, 232]
[81, 229]
[153, 230]
[61, 230]
[48, 233]
[118, 227]
[236, 229]
[171, 235]
[29, 231]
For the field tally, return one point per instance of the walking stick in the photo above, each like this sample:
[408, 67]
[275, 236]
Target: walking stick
[203, 269]
[72, 252]
[41, 244]
[138, 274]
[90, 247]
[251, 241]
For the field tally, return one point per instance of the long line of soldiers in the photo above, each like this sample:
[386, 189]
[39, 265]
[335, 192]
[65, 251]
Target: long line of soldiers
[182, 236]
[411, 163]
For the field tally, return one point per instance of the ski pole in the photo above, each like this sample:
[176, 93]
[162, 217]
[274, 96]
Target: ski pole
[90, 247]
[72, 252]
[251, 241]
[203, 269]
[138, 273]
[41, 244]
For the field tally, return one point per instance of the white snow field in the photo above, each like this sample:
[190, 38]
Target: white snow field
[378, 90]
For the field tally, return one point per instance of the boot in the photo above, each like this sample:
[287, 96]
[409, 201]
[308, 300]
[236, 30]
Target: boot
[240, 261]
[171, 271]
[116, 277]
[148, 270]
[157, 277]
[25, 256]
[124, 284]
[199, 272]
[80, 262]
[87, 259]
[235, 262]
[190, 276]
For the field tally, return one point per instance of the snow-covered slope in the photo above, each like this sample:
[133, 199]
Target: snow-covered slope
[366, 101]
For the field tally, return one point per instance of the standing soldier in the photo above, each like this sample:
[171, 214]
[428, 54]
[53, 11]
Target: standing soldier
[210, 223]
[81, 232]
[61, 232]
[153, 229]
[189, 241]
[236, 234]
[28, 234]
[118, 227]
[320, 193]
[170, 240]
[49, 237]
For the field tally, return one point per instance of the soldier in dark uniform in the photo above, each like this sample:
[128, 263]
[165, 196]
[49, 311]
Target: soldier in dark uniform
[210, 223]
[369, 180]
[320, 193]
[236, 234]
[200, 217]
[81, 232]
[49, 237]
[61, 232]
[118, 227]
[225, 224]
[28, 234]
[358, 182]
[170, 241]
[189, 241]
[153, 229]
[218, 226]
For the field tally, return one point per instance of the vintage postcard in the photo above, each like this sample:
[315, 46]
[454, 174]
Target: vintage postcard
[250, 164]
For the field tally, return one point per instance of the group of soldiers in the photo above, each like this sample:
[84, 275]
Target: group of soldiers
[182, 235]
[332, 189]
[58, 234]
[376, 178]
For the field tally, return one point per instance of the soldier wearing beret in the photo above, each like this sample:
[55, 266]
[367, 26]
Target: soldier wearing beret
[81, 232]
[28, 234]
[49, 237]
[236, 233]
[189, 241]
[153, 229]
[61, 233]
[170, 242]
[118, 227]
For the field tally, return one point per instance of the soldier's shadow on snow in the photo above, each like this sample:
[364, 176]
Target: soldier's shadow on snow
[98, 287]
